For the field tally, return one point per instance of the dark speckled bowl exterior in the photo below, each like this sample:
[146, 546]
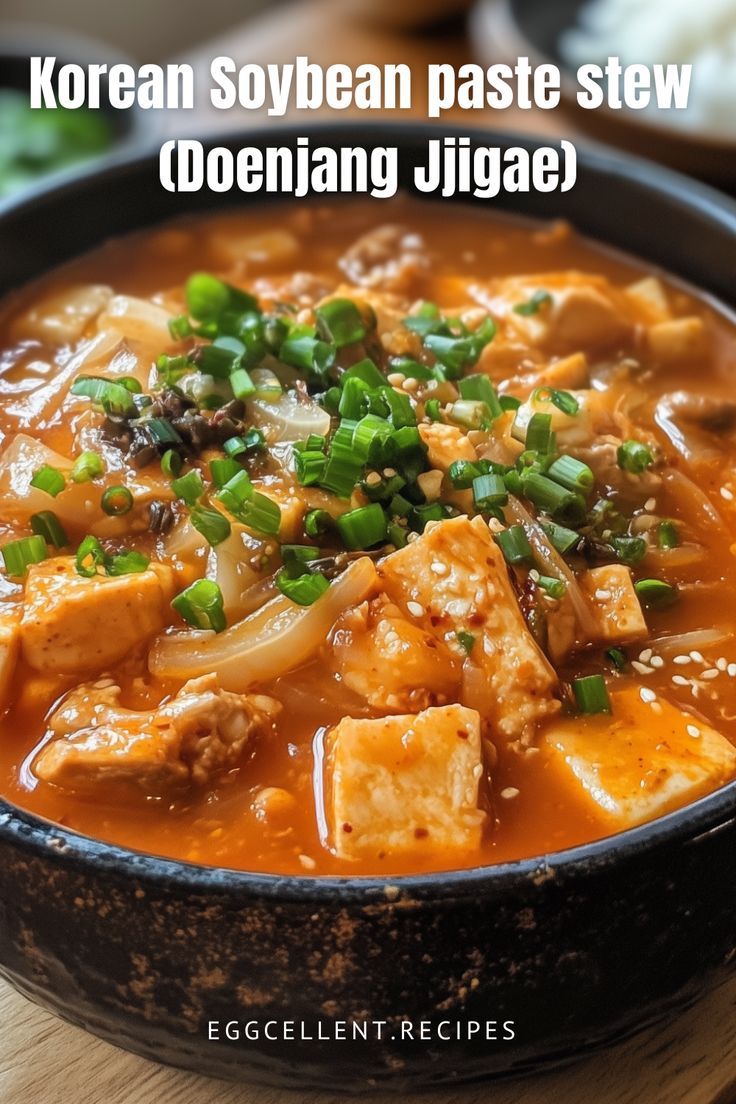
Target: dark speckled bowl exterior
[576, 949]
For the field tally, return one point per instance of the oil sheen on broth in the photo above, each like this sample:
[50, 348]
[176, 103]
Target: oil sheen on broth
[444, 505]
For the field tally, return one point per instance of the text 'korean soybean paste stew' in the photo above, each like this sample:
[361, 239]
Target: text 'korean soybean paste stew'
[364, 540]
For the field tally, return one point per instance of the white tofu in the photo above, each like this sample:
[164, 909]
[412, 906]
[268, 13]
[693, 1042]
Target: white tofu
[615, 603]
[9, 650]
[678, 340]
[405, 785]
[446, 444]
[454, 579]
[642, 761]
[71, 623]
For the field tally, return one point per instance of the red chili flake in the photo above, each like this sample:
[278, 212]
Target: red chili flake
[347, 827]
[421, 833]
[462, 733]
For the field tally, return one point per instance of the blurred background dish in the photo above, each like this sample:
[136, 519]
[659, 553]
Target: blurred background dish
[704, 142]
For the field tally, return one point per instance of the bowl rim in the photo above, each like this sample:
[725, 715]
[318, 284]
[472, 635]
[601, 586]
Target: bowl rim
[38, 837]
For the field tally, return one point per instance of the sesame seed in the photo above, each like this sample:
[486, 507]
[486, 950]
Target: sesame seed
[509, 792]
[725, 493]
[439, 568]
[410, 384]
[603, 595]
[682, 660]
[396, 378]
[534, 574]
[697, 656]
[711, 673]
[680, 680]
[641, 668]
[646, 655]
[656, 707]
[650, 504]
[721, 663]
[731, 670]
[389, 473]
[647, 695]
[372, 478]
[415, 609]
[693, 730]
[657, 661]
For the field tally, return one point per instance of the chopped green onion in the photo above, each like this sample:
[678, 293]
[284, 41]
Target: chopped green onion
[508, 403]
[514, 544]
[202, 606]
[563, 400]
[353, 398]
[317, 523]
[369, 437]
[214, 526]
[655, 593]
[591, 694]
[420, 516]
[618, 658]
[412, 369]
[49, 479]
[489, 491]
[401, 412]
[309, 467]
[364, 527]
[480, 388]
[90, 556]
[432, 410]
[428, 320]
[304, 589]
[563, 505]
[466, 641]
[171, 464]
[539, 436]
[161, 432]
[630, 550]
[88, 465]
[242, 385]
[208, 298]
[111, 395]
[455, 354]
[367, 372]
[171, 369]
[634, 456]
[561, 539]
[252, 440]
[47, 525]
[126, 563]
[303, 350]
[236, 491]
[189, 487]
[397, 534]
[571, 473]
[18, 555]
[261, 514]
[554, 587]
[384, 488]
[223, 470]
[340, 322]
[180, 327]
[668, 535]
[117, 501]
[400, 506]
[343, 468]
[470, 414]
[295, 557]
[539, 299]
[462, 473]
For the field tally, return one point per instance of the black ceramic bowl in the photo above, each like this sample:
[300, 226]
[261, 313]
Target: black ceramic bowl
[577, 948]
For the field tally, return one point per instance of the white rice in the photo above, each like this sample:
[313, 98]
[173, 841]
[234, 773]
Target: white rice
[701, 32]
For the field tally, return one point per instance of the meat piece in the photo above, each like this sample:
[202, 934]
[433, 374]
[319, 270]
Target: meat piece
[73, 624]
[454, 579]
[188, 741]
[615, 603]
[392, 662]
[390, 257]
[646, 759]
[405, 784]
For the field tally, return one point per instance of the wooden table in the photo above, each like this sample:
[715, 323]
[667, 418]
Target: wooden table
[691, 1060]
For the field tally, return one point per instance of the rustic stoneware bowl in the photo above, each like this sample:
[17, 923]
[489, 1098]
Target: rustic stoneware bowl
[577, 948]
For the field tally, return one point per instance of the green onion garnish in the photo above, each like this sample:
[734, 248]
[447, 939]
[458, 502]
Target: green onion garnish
[366, 371]
[563, 400]
[112, 396]
[117, 501]
[18, 555]
[90, 556]
[630, 550]
[161, 432]
[466, 641]
[668, 535]
[655, 593]
[208, 298]
[261, 514]
[189, 487]
[305, 351]
[554, 587]
[539, 437]
[489, 491]
[539, 299]
[571, 473]
[563, 505]
[480, 388]
[509, 402]
[340, 322]
[126, 563]
[633, 456]
[295, 557]
[202, 606]
[304, 589]
[618, 658]
[561, 539]
[420, 516]
[432, 410]
[591, 694]
[364, 527]
[250, 442]
[470, 414]
[514, 544]
[397, 534]
[242, 385]
[49, 479]
[317, 523]
[214, 526]
[309, 467]
[88, 465]
[47, 525]
[171, 464]
[222, 470]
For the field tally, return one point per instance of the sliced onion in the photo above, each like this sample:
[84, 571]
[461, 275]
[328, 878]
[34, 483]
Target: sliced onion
[289, 418]
[694, 501]
[683, 643]
[550, 562]
[277, 638]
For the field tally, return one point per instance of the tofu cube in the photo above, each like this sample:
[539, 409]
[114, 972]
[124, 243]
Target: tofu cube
[405, 785]
[677, 340]
[645, 759]
[9, 650]
[454, 579]
[615, 603]
[71, 623]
